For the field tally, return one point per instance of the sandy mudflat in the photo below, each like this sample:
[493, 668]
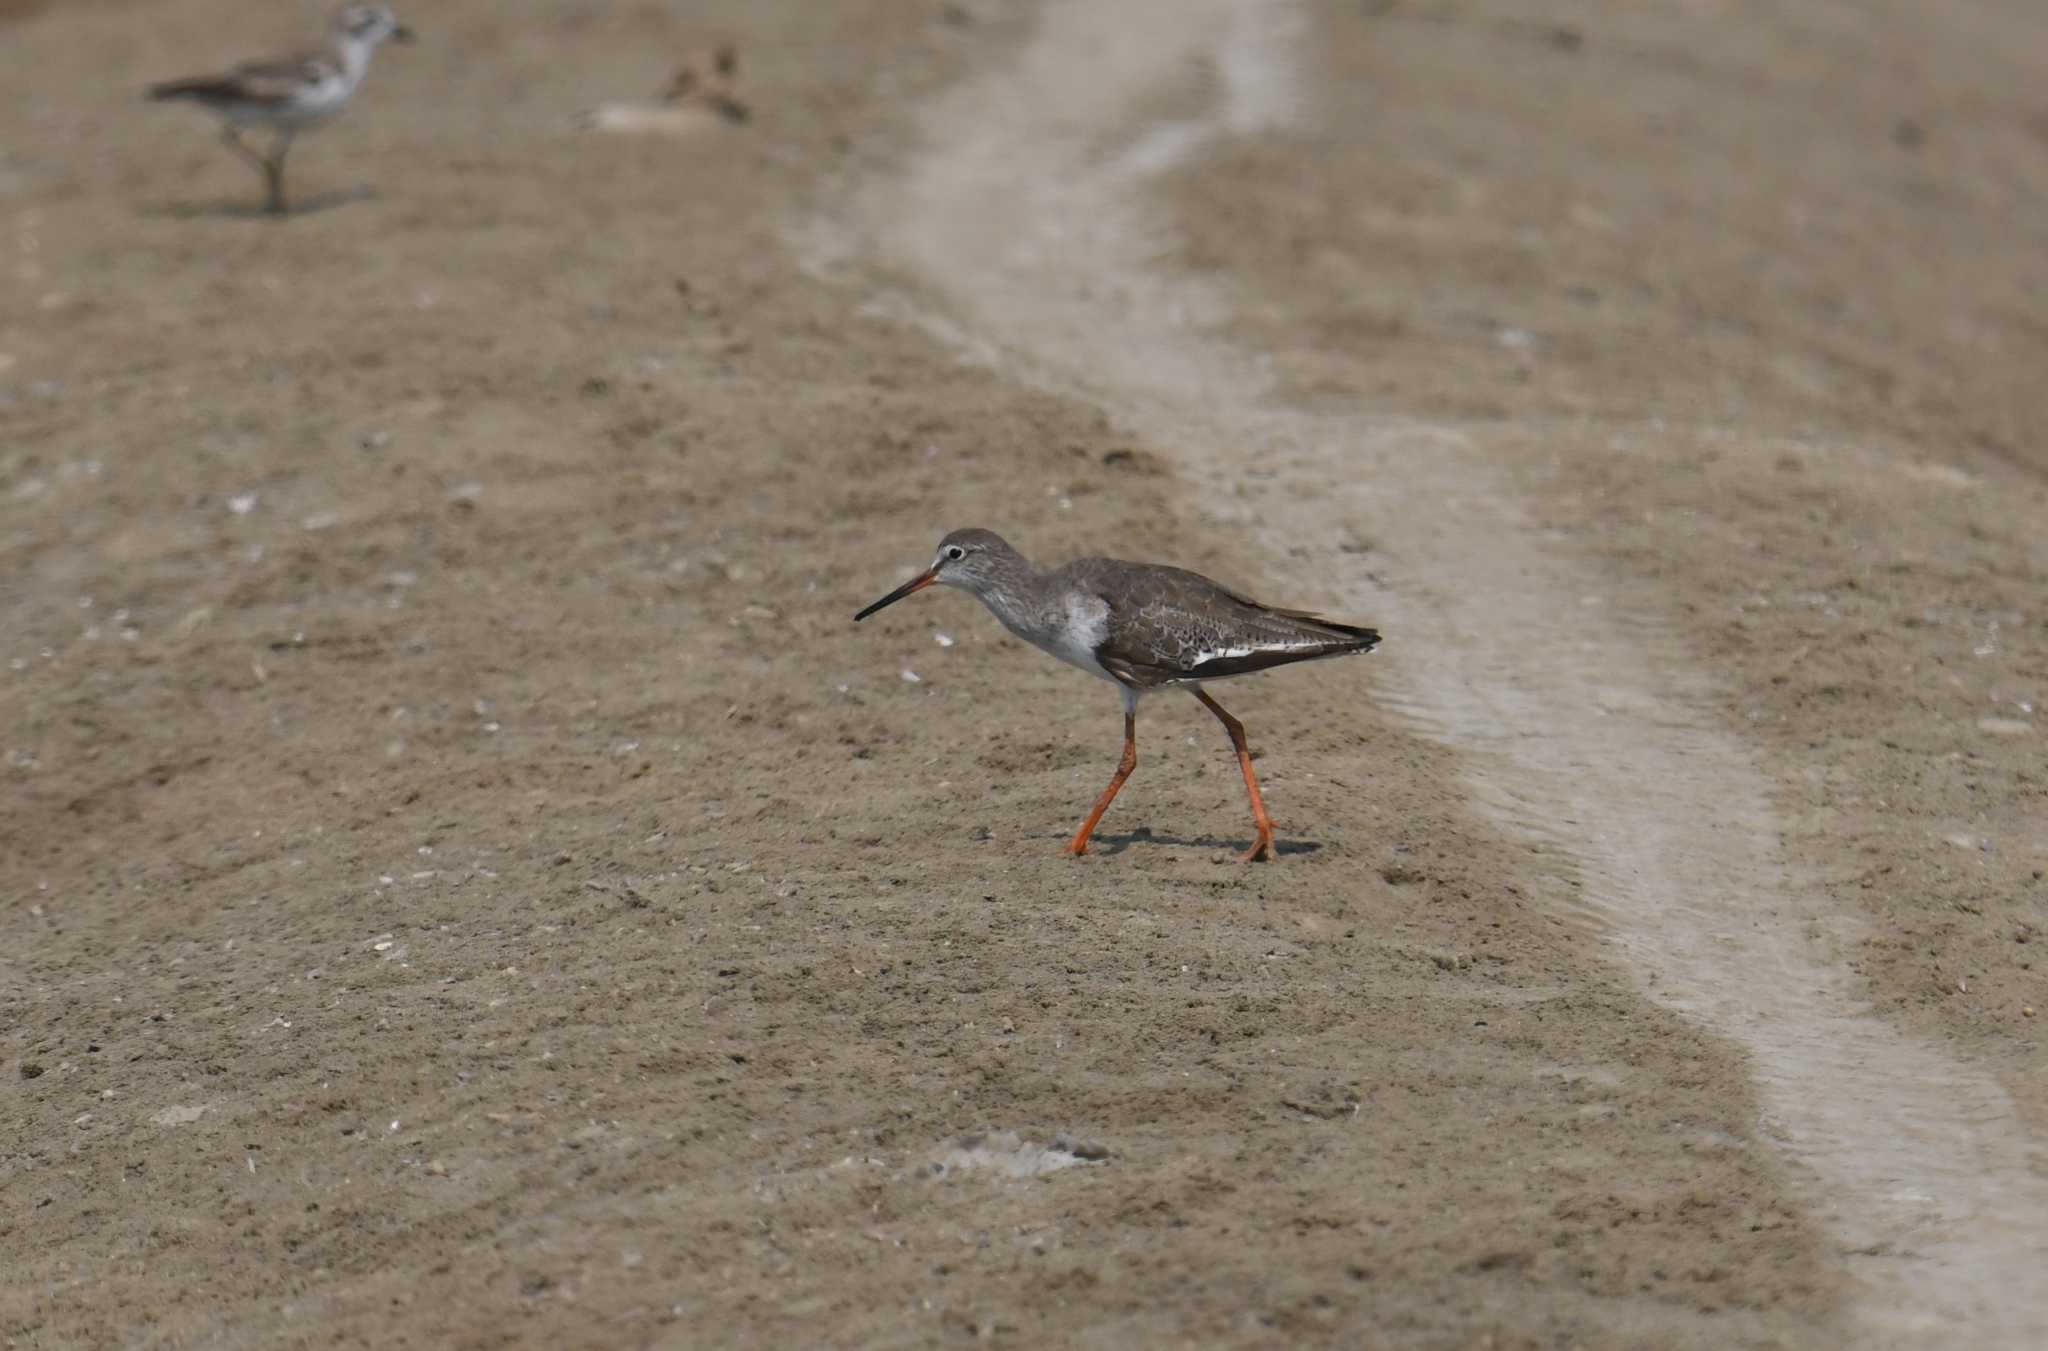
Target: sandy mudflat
[464, 881]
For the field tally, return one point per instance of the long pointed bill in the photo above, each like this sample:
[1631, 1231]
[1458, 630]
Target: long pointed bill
[917, 583]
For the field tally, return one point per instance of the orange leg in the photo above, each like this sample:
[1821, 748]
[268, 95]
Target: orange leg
[1123, 771]
[1264, 823]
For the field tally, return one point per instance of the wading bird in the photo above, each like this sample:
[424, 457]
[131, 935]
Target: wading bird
[1143, 627]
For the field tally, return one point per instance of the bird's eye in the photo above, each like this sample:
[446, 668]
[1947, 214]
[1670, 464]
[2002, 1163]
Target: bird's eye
[955, 552]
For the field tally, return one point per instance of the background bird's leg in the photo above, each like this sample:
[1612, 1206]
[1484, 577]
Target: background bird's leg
[231, 136]
[1123, 771]
[1263, 822]
[273, 171]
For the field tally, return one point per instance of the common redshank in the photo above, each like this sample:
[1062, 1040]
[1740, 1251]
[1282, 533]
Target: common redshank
[1142, 626]
[293, 93]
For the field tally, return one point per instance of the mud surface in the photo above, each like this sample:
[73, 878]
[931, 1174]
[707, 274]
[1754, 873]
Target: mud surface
[466, 882]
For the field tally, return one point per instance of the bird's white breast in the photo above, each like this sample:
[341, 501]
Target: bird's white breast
[1081, 630]
[325, 96]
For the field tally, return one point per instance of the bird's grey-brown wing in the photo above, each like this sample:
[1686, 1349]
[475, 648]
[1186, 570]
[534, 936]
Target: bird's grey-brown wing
[260, 82]
[1168, 626]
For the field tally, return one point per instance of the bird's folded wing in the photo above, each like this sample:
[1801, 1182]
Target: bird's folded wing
[272, 82]
[280, 81]
[1181, 627]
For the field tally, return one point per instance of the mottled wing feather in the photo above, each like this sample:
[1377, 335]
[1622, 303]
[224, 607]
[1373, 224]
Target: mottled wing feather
[1168, 626]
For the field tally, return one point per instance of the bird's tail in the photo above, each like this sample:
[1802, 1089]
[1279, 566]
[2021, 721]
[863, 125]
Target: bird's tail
[1356, 637]
[1344, 639]
[1313, 639]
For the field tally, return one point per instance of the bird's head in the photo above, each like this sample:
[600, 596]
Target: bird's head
[369, 26]
[973, 560]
